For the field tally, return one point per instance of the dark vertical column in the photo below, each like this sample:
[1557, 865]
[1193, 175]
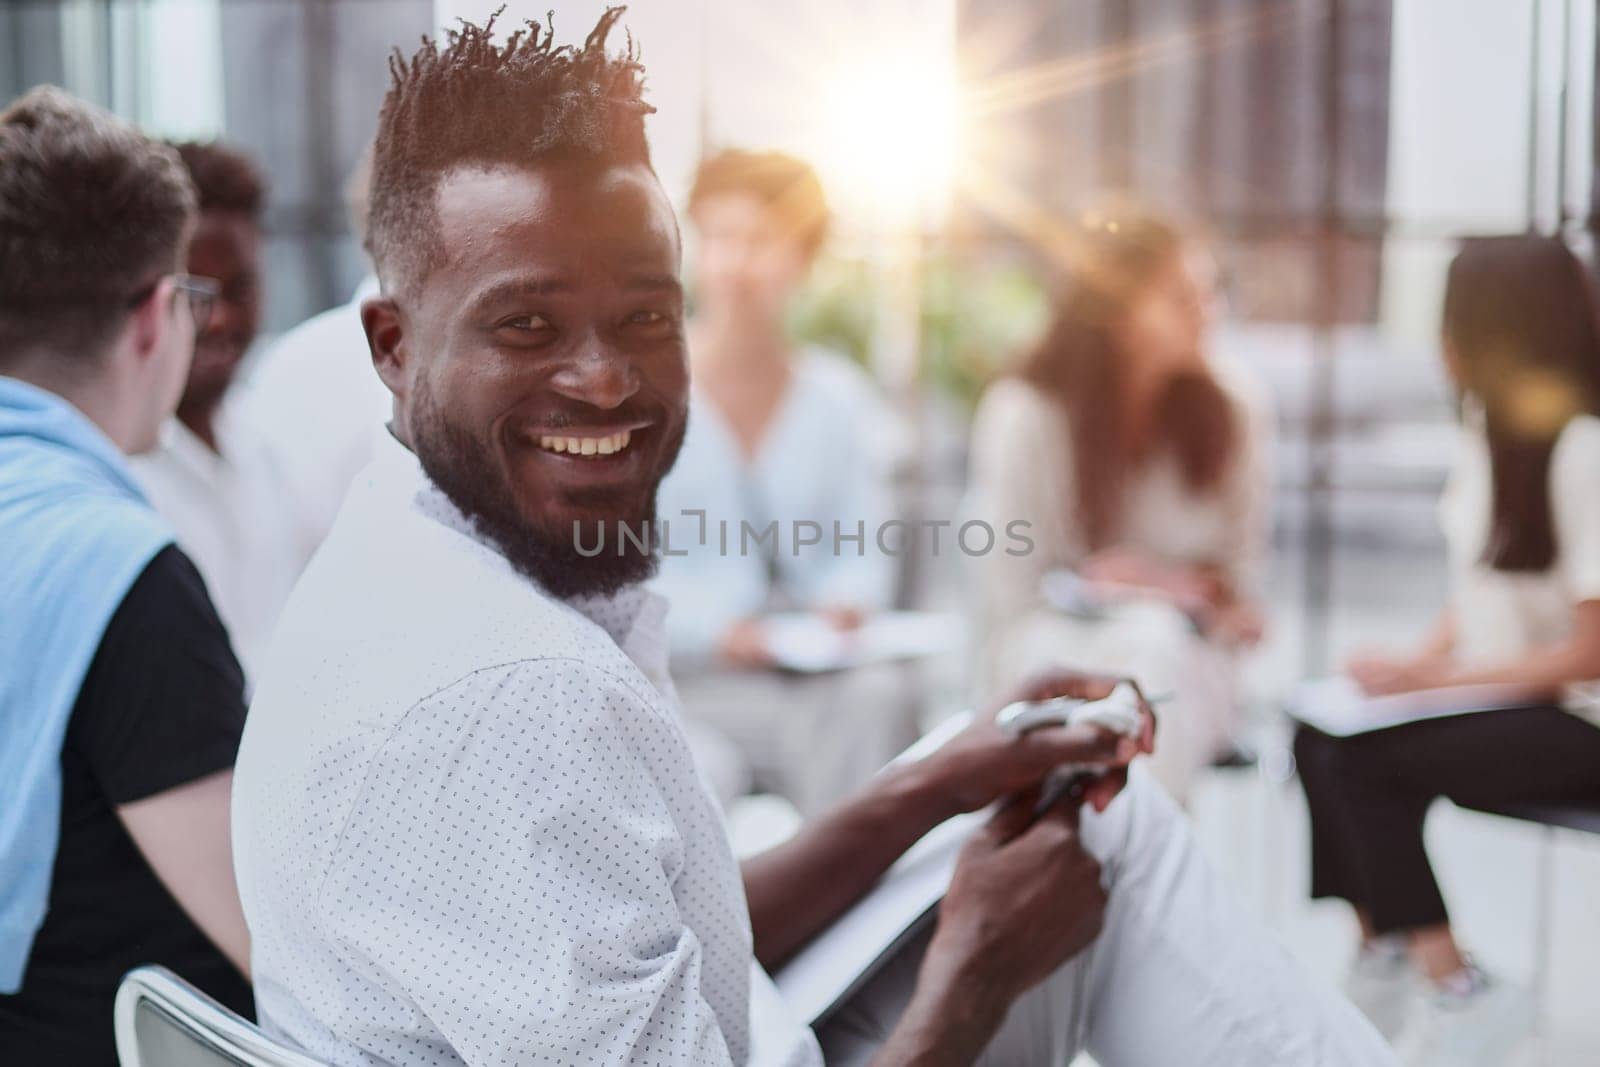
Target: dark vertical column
[1319, 560]
[1367, 32]
[1116, 141]
[1535, 58]
[322, 217]
[1592, 217]
[1203, 128]
[1563, 103]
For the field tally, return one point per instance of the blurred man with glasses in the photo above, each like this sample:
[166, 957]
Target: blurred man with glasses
[216, 476]
[121, 702]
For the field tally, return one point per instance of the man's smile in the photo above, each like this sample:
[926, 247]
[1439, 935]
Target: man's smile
[575, 441]
[590, 457]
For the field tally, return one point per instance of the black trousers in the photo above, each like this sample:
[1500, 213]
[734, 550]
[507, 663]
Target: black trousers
[1370, 793]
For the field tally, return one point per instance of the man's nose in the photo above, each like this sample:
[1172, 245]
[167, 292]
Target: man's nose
[601, 379]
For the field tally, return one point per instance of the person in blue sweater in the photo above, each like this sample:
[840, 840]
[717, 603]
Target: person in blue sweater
[121, 703]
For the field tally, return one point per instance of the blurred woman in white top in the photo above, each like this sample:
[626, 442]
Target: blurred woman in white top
[778, 433]
[1139, 464]
[1521, 518]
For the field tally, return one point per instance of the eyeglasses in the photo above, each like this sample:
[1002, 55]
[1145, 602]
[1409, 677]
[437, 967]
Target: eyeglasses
[201, 294]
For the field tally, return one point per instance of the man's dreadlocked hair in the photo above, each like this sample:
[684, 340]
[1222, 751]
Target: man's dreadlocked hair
[477, 103]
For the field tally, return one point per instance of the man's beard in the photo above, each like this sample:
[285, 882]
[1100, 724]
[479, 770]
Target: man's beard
[466, 472]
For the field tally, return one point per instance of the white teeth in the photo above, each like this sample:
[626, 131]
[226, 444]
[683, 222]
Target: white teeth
[587, 446]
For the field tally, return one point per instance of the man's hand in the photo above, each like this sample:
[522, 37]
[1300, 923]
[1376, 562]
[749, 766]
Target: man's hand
[984, 762]
[802, 885]
[1025, 898]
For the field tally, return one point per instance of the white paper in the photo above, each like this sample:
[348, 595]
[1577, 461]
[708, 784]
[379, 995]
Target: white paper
[1337, 706]
[833, 965]
[838, 960]
[809, 643]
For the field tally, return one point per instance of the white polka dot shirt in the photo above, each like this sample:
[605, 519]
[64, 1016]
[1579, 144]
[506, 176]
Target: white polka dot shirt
[468, 828]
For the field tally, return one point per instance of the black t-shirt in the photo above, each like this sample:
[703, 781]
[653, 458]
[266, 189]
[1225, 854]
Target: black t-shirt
[161, 705]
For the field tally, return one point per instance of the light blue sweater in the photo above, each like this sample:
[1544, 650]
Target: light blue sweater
[75, 532]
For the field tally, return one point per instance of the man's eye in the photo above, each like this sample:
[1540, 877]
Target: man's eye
[524, 322]
[656, 322]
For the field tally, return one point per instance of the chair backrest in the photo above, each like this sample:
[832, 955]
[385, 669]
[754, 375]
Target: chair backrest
[163, 1021]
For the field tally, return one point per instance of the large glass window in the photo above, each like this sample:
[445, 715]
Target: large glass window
[295, 83]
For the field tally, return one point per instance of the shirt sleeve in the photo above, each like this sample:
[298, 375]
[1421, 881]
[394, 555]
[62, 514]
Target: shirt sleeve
[510, 864]
[163, 701]
[1575, 506]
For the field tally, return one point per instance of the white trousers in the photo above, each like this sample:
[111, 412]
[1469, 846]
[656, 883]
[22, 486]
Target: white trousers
[1179, 976]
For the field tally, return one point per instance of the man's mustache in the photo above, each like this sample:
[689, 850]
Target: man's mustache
[593, 418]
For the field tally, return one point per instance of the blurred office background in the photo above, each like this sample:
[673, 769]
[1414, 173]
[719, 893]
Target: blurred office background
[1337, 149]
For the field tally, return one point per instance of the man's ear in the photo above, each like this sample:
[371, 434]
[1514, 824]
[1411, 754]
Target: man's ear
[385, 327]
[151, 319]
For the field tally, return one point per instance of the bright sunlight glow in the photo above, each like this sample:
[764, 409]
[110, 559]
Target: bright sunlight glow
[890, 139]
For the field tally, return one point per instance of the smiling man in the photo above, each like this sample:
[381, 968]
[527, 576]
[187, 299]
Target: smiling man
[468, 827]
[542, 382]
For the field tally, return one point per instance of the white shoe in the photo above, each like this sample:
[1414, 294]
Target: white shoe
[1380, 984]
[1479, 1028]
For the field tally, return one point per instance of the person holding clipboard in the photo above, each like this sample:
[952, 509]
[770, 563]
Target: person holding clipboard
[1520, 639]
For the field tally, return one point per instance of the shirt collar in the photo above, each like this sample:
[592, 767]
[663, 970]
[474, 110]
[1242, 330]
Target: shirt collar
[633, 617]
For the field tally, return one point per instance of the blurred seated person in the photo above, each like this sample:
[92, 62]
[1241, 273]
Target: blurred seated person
[778, 433]
[314, 395]
[1521, 516]
[1138, 462]
[215, 476]
[121, 704]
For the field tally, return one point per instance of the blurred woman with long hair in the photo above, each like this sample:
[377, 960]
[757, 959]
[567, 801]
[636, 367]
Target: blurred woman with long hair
[1521, 516]
[1137, 463]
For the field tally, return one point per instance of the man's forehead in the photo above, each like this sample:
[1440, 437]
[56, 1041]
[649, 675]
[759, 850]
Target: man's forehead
[556, 204]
